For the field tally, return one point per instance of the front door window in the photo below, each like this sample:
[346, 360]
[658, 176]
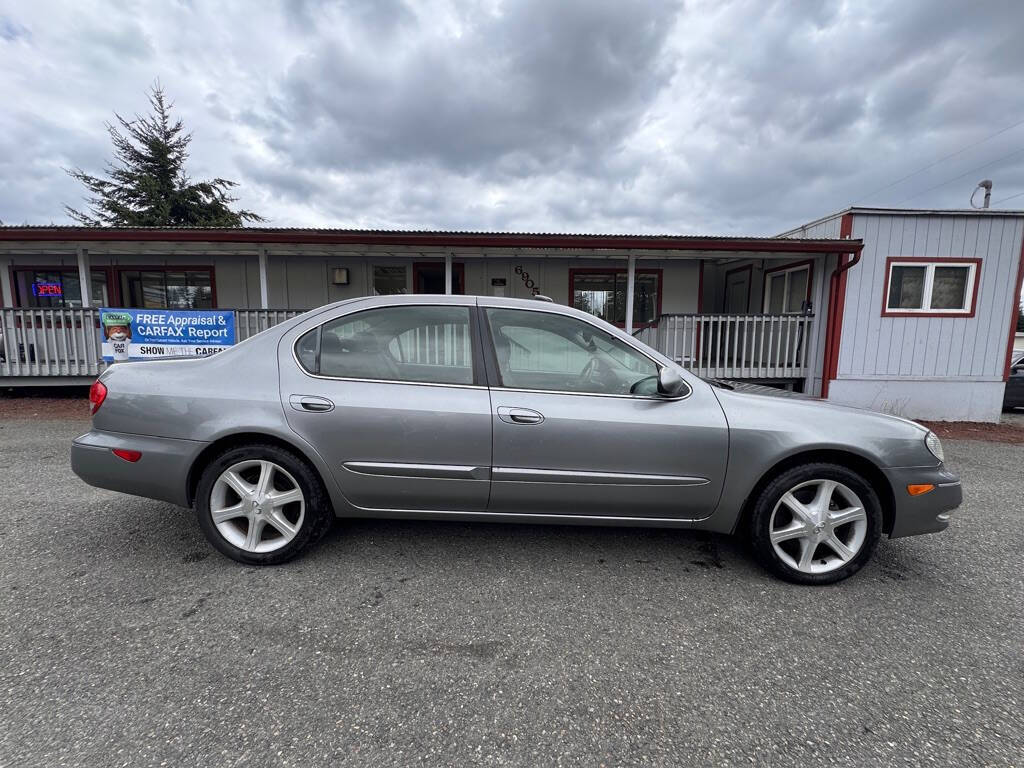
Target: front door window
[552, 352]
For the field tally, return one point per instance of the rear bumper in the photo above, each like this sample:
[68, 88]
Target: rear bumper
[161, 473]
[929, 512]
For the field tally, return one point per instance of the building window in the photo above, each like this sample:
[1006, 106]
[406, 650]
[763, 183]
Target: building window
[602, 292]
[938, 287]
[167, 288]
[70, 295]
[787, 289]
[389, 281]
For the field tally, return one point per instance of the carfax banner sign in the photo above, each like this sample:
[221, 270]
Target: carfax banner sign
[149, 334]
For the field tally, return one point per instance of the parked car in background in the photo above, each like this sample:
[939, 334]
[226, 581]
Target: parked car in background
[493, 409]
[1013, 397]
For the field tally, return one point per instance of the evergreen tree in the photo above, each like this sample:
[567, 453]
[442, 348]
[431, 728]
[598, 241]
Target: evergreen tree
[146, 184]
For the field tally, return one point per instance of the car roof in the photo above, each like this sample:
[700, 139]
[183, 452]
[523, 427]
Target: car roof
[540, 304]
[469, 300]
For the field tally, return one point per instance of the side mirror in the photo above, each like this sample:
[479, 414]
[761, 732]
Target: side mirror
[670, 383]
[1015, 370]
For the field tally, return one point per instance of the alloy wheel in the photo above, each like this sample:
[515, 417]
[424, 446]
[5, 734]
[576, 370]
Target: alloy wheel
[818, 526]
[257, 506]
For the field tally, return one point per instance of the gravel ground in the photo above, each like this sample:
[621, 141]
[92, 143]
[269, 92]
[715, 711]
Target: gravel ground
[126, 640]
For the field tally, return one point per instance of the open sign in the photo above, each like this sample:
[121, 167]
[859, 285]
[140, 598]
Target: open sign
[47, 289]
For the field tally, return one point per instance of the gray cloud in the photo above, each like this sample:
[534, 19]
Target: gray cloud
[11, 30]
[536, 86]
[655, 116]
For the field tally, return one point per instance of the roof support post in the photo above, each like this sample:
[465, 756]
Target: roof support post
[84, 277]
[630, 289]
[264, 282]
[448, 274]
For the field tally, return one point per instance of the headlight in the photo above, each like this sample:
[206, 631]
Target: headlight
[933, 444]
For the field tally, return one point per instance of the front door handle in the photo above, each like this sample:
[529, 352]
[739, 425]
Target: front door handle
[310, 403]
[519, 415]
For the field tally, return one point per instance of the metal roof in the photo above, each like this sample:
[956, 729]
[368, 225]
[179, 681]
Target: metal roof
[905, 212]
[453, 238]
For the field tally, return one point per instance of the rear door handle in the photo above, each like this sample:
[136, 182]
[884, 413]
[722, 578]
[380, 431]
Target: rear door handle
[519, 415]
[310, 403]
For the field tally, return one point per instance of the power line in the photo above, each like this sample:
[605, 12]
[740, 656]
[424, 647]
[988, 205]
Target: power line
[957, 178]
[940, 160]
[1019, 194]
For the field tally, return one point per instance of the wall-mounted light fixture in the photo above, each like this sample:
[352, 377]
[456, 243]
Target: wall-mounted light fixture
[340, 276]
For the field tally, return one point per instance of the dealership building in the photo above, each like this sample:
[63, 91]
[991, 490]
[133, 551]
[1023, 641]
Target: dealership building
[903, 311]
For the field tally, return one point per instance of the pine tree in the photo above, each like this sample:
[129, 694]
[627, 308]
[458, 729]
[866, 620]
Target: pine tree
[146, 184]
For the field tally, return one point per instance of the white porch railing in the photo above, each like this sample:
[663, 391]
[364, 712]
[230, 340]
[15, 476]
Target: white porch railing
[734, 346]
[66, 342]
[47, 343]
[50, 342]
[249, 322]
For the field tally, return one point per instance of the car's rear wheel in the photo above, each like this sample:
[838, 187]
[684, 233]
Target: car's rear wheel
[261, 504]
[816, 523]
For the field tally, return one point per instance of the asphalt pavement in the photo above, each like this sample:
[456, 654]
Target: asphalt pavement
[126, 640]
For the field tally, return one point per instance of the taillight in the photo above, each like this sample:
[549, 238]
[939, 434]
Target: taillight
[97, 394]
[126, 454]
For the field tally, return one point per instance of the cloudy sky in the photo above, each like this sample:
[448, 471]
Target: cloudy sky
[688, 116]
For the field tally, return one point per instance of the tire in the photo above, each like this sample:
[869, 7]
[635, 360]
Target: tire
[262, 522]
[789, 518]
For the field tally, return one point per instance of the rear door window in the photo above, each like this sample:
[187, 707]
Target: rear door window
[428, 344]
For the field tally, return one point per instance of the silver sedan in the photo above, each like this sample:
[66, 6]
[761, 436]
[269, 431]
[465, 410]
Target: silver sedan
[493, 409]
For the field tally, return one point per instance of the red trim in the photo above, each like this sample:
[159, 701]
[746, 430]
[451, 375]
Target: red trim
[886, 312]
[573, 271]
[1014, 309]
[749, 269]
[836, 306]
[458, 274]
[446, 239]
[809, 263]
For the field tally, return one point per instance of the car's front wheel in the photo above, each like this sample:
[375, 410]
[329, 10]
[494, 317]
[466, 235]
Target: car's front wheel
[816, 523]
[261, 504]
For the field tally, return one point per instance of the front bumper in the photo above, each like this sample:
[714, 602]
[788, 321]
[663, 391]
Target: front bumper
[161, 473]
[929, 512]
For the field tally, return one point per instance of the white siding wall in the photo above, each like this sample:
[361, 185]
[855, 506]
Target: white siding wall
[298, 281]
[929, 367]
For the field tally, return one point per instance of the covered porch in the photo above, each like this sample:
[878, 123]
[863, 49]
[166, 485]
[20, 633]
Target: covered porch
[741, 308]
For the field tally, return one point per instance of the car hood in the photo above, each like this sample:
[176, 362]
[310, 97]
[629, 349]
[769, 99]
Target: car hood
[758, 389]
[815, 404]
[788, 420]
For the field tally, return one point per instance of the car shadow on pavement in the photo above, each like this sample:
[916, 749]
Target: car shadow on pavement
[151, 532]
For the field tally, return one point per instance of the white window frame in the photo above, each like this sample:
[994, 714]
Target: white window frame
[786, 283]
[929, 282]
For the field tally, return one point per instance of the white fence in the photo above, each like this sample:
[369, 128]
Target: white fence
[734, 346]
[48, 343]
